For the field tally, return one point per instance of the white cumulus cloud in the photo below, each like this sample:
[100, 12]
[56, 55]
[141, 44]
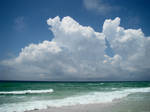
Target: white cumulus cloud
[77, 52]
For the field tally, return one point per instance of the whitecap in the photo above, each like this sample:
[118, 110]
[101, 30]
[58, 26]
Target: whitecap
[26, 92]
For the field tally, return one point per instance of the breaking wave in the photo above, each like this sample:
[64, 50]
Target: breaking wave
[26, 92]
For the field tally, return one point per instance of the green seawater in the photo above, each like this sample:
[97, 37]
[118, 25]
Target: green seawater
[133, 96]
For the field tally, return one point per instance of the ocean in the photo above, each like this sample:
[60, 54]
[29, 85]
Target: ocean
[23, 96]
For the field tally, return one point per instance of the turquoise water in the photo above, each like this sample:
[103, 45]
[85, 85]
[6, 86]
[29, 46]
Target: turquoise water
[38, 95]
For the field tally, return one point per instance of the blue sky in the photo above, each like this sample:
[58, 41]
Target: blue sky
[24, 22]
[32, 15]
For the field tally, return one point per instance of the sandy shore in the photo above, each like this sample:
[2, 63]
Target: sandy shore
[79, 108]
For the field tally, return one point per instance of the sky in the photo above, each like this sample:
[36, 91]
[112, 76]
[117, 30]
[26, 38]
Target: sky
[68, 40]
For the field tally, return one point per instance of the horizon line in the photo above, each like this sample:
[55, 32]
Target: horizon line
[57, 81]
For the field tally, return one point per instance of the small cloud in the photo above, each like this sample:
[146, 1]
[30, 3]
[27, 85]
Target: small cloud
[99, 6]
[134, 21]
[19, 23]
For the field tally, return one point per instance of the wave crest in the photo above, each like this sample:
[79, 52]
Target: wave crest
[27, 92]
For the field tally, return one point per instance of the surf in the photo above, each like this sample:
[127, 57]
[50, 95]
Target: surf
[87, 98]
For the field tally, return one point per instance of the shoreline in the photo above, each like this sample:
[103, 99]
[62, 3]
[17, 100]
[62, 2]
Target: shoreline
[98, 107]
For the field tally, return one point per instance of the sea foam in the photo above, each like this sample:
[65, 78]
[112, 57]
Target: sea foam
[27, 92]
[89, 98]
